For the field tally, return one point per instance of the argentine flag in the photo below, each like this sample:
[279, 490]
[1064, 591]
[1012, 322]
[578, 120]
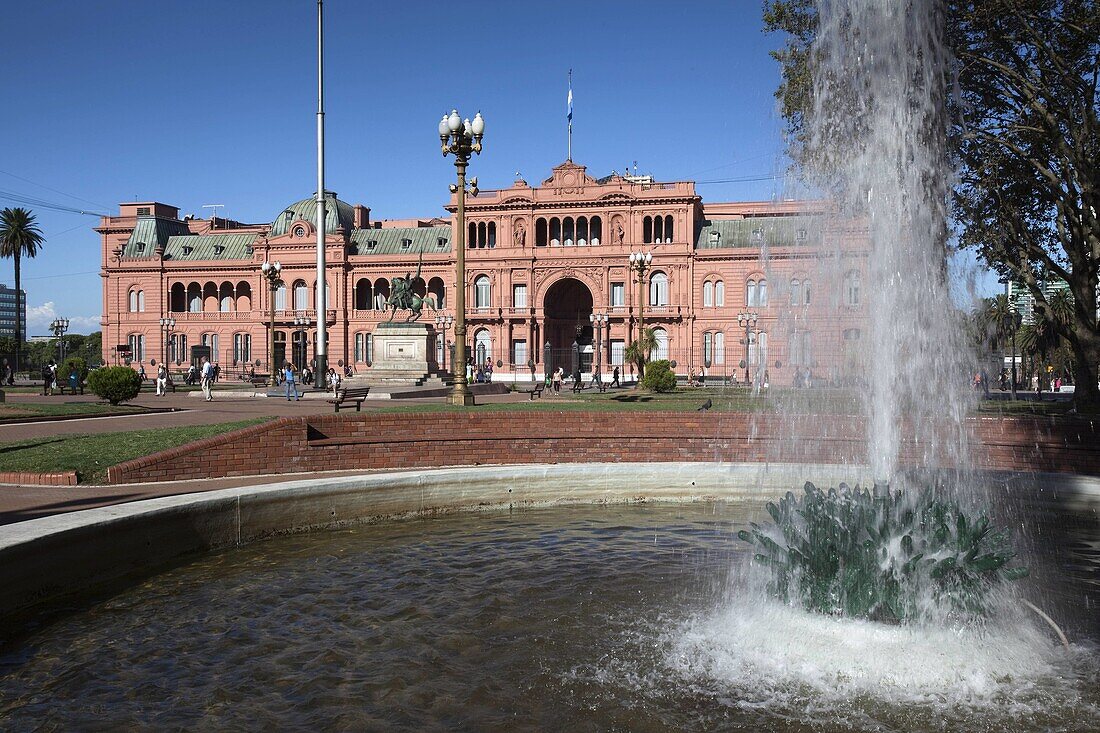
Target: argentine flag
[569, 104]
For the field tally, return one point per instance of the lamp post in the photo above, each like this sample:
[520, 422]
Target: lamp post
[271, 272]
[639, 264]
[118, 252]
[59, 327]
[1016, 320]
[442, 323]
[461, 138]
[748, 320]
[167, 325]
[598, 320]
[301, 325]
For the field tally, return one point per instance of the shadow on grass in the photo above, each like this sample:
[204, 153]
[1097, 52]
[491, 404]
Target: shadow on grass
[27, 446]
[632, 398]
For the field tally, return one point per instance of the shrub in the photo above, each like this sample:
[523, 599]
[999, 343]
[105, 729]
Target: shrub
[73, 362]
[659, 377]
[881, 555]
[115, 384]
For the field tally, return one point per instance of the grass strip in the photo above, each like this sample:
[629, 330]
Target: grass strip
[91, 455]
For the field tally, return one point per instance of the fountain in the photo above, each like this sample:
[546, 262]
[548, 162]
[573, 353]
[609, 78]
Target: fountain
[618, 596]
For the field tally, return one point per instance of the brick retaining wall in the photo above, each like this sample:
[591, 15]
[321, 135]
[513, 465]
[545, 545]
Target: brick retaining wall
[383, 441]
[29, 478]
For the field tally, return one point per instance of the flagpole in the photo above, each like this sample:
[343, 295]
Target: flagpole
[569, 141]
[321, 345]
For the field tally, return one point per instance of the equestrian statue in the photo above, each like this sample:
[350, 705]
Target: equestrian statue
[402, 296]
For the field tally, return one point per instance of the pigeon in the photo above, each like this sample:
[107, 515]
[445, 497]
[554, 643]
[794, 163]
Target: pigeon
[706, 406]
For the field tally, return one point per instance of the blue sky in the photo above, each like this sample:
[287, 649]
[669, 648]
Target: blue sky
[206, 101]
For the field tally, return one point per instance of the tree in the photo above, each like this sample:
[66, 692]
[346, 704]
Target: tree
[115, 384]
[1024, 137]
[639, 351]
[19, 237]
[1000, 322]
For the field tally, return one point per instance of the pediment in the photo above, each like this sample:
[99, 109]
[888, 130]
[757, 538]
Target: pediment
[569, 175]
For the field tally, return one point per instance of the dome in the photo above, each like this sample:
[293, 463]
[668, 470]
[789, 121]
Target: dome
[338, 214]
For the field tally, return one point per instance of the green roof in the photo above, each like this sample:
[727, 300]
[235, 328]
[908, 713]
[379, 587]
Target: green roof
[149, 231]
[202, 247]
[773, 231]
[338, 214]
[390, 241]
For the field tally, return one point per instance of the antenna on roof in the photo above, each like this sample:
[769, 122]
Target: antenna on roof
[214, 216]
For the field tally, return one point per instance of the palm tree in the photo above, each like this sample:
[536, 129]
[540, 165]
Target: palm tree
[1001, 321]
[639, 351]
[19, 236]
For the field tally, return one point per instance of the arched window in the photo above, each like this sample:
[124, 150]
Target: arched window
[481, 236]
[661, 336]
[437, 292]
[805, 292]
[301, 295]
[133, 301]
[328, 297]
[719, 293]
[364, 295]
[471, 240]
[481, 291]
[178, 298]
[555, 231]
[280, 297]
[851, 288]
[225, 297]
[540, 232]
[582, 231]
[242, 348]
[210, 298]
[708, 294]
[719, 348]
[750, 293]
[364, 348]
[381, 293]
[658, 289]
[658, 229]
[492, 241]
[137, 347]
[194, 298]
[244, 297]
[762, 293]
[796, 291]
[567, 232]
[668, 228]
[483, 347]
[647, 230]
[595, 231]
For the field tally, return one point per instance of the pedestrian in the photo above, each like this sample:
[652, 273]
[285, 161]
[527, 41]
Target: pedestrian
[691, 377]
[615, 377]
[9, 374]
[207, 379]
[333, 381]
[141, 373]
[577, 381]
[217, 371]
[192, 376]
[559, 375]
[288, 381]
[469, 371]
[74, 380]
[162, 380]
[488, 371]
[765, 380]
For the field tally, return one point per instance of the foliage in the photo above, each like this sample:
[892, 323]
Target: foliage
[1024, 134]
[659, 377]
[881, 555]
[115, 384]
[639, 351]
[73, 363]
[19, 237]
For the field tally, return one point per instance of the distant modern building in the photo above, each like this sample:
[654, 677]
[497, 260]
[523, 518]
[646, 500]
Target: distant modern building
[1024, 302]
[9, 306]
[540, 261]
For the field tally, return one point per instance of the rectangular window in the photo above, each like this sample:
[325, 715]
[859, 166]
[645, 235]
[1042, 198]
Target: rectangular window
[519, 353]
[708, 347]
[143, 211]
[719, 348]
[618, 348]
[242, 348]
[519, 296]
[618, 294]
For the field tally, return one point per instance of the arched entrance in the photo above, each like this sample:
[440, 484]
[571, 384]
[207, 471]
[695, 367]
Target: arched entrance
[566, 328]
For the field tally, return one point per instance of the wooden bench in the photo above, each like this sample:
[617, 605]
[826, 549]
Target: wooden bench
[535, 391]
[62, 387]
[346, 396]
[259, 381]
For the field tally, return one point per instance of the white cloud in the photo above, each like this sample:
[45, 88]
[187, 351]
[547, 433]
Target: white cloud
[39, 318]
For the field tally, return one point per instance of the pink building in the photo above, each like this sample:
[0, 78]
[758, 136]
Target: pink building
[540, 261]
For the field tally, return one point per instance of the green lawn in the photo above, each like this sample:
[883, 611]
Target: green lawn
[91, 455]
[87, 409]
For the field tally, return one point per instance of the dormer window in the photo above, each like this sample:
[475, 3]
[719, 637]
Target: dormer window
[218, 249]
[441, 242]
[289, 215]
[299, 231]
[188, 250]
[140, 247]
[143, 211]
[800, 235]
[372, 243]
[758, 235]
[406, 243]
[715, 236]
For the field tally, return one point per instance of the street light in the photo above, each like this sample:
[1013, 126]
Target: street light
[59, 327]
[598, 320]
[639, 263]
[271, 272]
[461, 138]
[748, 320]
[442, 323]
[167, 325]
[1015, 320]
[301, 325]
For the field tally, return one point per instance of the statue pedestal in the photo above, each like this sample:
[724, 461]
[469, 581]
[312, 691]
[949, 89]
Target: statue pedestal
[403, 355]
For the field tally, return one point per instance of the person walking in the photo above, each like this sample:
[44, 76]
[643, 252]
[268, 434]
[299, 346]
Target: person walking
[9, 374]
[162, 380]
[289, 383]
[47, 379]
[207, 379]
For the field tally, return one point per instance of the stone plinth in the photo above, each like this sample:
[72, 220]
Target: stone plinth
[402, 355]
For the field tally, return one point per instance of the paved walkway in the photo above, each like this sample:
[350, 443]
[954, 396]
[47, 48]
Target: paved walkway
[19, 503]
